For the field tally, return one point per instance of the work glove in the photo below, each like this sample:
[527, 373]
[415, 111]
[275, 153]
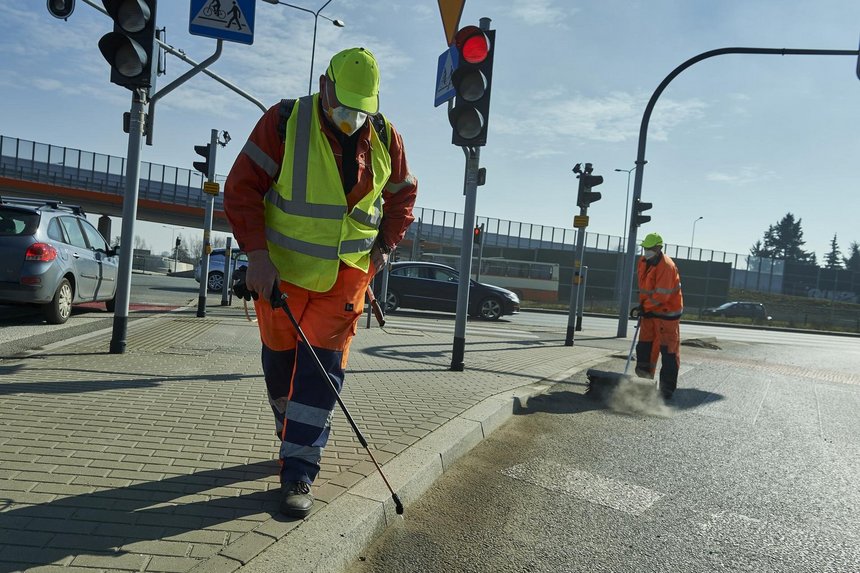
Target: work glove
[240, 288]
[637, 312]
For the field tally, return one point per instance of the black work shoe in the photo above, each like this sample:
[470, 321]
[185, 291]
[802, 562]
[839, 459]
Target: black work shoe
[296, 499]
[642, 373]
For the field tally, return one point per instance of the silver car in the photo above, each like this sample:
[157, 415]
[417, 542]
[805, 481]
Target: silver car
[215, 282]
[51, 256]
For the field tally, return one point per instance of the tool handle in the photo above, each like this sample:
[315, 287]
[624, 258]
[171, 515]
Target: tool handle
[632, 344]
[375, 307]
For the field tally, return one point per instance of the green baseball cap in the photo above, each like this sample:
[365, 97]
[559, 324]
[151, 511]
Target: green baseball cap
[651, 240]
[356, 79]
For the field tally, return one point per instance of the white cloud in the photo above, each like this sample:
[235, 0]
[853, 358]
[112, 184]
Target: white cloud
[612, 118]
[745, 175]
[540, 12]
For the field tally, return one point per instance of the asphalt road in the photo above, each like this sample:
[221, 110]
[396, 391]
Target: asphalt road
[23, 328]
[755, 467]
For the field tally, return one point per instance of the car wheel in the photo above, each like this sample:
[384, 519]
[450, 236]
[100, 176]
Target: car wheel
[491, 308]
[60, 308]
[216, 281]
[392, 301]
[110, 305]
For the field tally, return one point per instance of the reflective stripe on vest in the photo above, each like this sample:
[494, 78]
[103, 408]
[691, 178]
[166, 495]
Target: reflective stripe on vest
[308, 229]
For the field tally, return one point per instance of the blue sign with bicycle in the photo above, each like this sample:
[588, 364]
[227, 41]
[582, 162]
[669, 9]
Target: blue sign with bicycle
[231, 20]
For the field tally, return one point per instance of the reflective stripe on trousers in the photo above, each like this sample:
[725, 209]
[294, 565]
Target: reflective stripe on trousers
[302, 403]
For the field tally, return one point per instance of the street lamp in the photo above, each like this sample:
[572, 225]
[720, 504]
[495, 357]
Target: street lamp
[172, 242]
[693, 238]
[316, 15]
[626, 203]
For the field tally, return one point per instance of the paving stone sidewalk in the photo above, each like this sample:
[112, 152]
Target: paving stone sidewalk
[164, 458]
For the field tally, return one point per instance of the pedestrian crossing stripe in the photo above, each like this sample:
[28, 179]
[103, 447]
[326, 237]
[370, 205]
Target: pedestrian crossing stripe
[231, 20]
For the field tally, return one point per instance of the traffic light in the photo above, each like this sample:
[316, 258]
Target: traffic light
[638, 208]
[205, 151]
[131, 48]
[61, 9]
[472, 81]
[585, 196]
[178, 242]
[479, 232]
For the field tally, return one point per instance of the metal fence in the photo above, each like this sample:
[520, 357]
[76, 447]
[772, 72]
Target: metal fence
[707, 274]
[66, 166]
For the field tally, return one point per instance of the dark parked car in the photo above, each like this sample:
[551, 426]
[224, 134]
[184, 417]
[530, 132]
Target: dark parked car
[741, 309]
[433, 286]
[215, 281]
[51, 256]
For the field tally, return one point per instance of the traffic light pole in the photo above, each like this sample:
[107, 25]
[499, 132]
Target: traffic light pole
[129, 214]
[470, 190]
[207, 229]
[480, 254]
[579, 252]
[630, 259]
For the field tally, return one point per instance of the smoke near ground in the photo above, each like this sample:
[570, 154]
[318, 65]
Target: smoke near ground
[638, 398]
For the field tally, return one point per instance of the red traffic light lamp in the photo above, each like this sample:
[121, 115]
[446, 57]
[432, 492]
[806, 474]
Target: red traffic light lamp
[472, 81]
[479, 232]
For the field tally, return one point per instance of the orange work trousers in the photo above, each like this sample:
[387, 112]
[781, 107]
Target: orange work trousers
[328, 319]
[659, 337]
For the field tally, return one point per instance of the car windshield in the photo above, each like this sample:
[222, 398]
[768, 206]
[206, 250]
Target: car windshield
[15, 222]
[725, 306]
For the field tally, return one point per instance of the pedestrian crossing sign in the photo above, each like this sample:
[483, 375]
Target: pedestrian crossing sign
[231, 20]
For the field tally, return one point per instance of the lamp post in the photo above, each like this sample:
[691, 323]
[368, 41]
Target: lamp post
[693, 238]
[626, 202]
[316, 15]
[172, 242]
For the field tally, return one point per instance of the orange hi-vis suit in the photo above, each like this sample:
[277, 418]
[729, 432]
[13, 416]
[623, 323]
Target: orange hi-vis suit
[302, 402]
[662, 304]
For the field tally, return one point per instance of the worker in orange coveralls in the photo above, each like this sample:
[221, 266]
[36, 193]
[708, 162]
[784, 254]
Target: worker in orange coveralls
[661, 304]
[318, 197]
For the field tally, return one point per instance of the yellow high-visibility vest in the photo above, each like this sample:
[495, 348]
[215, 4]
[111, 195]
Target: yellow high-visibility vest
[308, 228]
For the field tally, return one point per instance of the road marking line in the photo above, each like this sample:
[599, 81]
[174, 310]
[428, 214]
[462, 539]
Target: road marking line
[608, 492]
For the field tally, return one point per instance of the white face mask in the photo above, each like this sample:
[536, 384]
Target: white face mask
[649, 254]
[347, 120]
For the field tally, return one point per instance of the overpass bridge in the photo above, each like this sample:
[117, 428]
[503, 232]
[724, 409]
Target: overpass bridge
[96, 182]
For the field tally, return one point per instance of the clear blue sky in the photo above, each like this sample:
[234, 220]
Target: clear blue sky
[738, 140]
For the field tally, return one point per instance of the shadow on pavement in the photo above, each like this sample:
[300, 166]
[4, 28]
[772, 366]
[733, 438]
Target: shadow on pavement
[103, 522]
[639, 399]
[564, 402]
[90, 385]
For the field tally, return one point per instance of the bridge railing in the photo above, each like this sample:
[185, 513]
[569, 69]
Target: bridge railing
[76, 168]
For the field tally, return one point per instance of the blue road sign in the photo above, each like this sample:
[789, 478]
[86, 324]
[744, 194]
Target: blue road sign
[448, 62]
[231, 20]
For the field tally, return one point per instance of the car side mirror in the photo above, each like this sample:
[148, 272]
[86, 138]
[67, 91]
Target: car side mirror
[113, 251]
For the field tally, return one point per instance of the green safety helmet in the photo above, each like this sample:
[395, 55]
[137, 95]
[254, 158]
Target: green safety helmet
[651, 240]
[356, 79]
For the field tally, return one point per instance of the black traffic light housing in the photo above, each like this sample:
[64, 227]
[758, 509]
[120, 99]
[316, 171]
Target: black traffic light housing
[61, 9]
[638, 208]
[206, 152]
[479, 233]
[178, 242]
[131, 49]
[585, 196]
[473, 80]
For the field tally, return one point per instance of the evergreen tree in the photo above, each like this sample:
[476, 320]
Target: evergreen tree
[852, 262]
[784, 241]
[833, 260]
